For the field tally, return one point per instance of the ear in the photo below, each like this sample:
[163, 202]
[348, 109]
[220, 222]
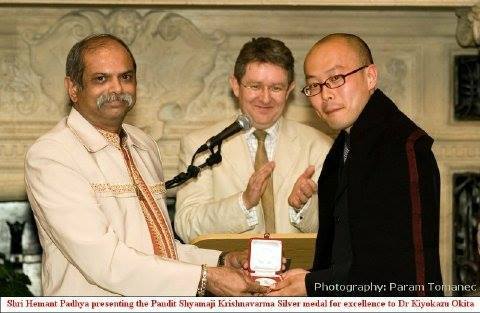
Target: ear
[235, 85]
[372, 77]
[72, 89]
[290, 88]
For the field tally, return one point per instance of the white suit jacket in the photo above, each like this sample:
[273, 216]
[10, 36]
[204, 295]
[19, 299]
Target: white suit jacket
[92, 230]
[210, 203]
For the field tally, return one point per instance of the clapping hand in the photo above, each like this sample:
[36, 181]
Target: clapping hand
[303, 189]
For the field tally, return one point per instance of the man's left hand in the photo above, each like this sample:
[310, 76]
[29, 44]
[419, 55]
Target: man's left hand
[303, 189]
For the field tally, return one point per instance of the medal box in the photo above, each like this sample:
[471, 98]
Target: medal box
[265, 260]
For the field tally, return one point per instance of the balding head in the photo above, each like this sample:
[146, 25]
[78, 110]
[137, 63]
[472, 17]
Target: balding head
[340, 77]
[75, 64]
[358, 46]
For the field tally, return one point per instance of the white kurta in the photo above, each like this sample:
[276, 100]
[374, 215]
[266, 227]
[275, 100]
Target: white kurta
[94, 235]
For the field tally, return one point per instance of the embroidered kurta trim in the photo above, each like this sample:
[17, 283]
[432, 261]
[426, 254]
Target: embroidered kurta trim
[118, 189]
[112, 138]
[159, 188]
[160, 231]
[115, 189]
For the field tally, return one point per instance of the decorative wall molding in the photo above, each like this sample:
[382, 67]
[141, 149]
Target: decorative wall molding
[21, 97]
[468, 27]
[185, 54]
[171, 78]
[336, 3]
[459, 151]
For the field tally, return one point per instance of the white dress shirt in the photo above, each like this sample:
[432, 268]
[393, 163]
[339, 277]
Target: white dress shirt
[270, 143]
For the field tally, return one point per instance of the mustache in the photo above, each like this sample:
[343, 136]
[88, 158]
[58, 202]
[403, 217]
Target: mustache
[110, 97]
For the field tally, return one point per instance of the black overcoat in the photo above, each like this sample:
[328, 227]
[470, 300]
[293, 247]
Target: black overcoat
[393, 199]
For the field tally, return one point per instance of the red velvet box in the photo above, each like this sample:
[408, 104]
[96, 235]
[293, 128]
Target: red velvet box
[265, 260]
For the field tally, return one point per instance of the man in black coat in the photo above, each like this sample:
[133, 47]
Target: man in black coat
[379, 189]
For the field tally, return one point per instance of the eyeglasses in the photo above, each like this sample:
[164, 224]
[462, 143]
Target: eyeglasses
[257, 88]
[332, 82]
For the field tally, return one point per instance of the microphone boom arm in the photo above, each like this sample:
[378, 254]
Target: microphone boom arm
[215, 157]
[242, 122]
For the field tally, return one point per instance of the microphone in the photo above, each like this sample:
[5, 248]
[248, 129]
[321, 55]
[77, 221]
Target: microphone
[241, 123]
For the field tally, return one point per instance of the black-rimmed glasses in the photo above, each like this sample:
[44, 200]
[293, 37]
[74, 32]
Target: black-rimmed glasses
[332, 82]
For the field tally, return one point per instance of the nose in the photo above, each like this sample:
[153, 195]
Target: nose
[326, 93]
[115, 85]
[265, 95]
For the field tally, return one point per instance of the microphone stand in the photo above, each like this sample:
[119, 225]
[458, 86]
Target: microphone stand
[215, 157]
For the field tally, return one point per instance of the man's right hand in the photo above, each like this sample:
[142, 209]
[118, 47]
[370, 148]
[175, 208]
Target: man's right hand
[225, 281]
[292, 284]
[257, 184]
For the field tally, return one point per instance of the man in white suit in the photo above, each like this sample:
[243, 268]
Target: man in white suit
[97, 193]
[242, 193]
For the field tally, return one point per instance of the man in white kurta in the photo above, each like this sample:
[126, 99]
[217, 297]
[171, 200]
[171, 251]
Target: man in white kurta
[96, 189]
